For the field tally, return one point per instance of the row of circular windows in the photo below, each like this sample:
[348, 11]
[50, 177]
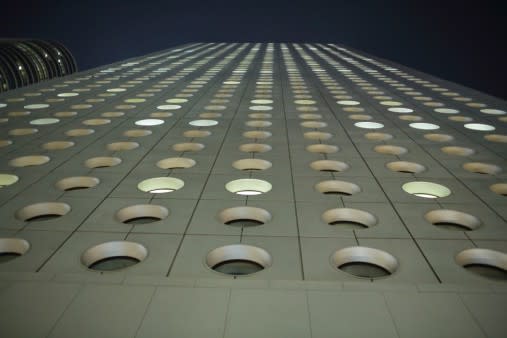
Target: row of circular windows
[244, 260]
[474, 126]
[149, 122]
[345, 100]
[427, 189]
[425, 83]
[401, 86]
[420, 189]
[246, 216]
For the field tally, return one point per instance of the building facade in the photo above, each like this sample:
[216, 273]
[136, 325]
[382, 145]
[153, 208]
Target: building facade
[25, 62]
[253, 190]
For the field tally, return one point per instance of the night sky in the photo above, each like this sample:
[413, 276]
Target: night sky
[460, 41]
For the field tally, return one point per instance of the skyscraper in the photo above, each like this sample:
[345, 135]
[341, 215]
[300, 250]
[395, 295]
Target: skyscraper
[253, 190]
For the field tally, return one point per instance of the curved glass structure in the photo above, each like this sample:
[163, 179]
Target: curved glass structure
[24, 62]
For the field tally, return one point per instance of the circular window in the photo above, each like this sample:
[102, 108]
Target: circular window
[353, 109]
[360, 117]
[116, 90]
[458, 151]
[260, 108]
[102, 162]
[18, 113]
[424, 126]
[364, 262]
[479, 126]
[310, 116]
[115, 255]
[252, 164]
[313, 124]
[77, 183]
[452, 220]
[439, 137]
[188, 147]
[203, 123]
[257, 134]
[79, 132]
[22, 131]
[67, 94]
[85, 106]
[112, 114]
[426, 189]
[322, 148]
[137, 133]
[160, 185]
[459, 118]
[260, 116]
[7, 179]
[176, 163]
[335, 187]
[12, 248]
[446, 111]
[499, 188]
[369, 125]
[347, 103]
[122, 146]
[44, 121]
[349, 218]
[378, 136]
[496, 138]
[176, 100]
[5, 143]
[96, 122]
[493, 111]
[305, 102]
[406, 167]
[149, 122]
[213, 107]
[160, 115]
[210, 116]
[248, 186]
[244, 216]
[317, 135]
[484, 262]
[238, 259]
[400, 110]
[410, 118]
[42, 211]
[258, 124]
[36, 106]
[28, 161]
[169, 107]
[261, 101]
[390, 150]
[142, 214]
[255, 148]
[482, 168]
[57, 145]
[390, 103]
[329, 166]
[65, 114]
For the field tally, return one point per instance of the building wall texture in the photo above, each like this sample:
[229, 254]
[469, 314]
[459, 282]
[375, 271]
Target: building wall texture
[252, 190]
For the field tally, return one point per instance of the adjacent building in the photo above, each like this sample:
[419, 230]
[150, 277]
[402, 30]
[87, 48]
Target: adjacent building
[25, 62]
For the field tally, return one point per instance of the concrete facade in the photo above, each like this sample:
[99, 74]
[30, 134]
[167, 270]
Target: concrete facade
[345, 195]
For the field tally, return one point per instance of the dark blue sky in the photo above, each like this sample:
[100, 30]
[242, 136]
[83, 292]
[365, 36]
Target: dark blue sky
[461, 41]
